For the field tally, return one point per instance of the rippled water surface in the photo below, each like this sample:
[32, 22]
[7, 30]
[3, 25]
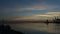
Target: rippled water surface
[37, 28]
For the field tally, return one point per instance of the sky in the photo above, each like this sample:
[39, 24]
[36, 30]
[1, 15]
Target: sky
[34, 10]
[28, 9]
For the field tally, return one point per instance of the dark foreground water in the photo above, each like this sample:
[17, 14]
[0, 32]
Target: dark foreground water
[37, 28]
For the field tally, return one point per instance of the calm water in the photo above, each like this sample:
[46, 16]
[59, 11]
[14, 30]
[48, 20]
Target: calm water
[37, 28]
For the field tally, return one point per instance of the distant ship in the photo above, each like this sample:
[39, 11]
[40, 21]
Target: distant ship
[56, 20]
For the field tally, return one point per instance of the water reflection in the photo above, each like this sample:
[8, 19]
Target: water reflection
[54, 28]
[50, 28]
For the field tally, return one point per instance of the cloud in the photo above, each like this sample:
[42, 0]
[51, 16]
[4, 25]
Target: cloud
[44, 15]
[53, 13]
[35, 6]
[48, 15]
[35, 17]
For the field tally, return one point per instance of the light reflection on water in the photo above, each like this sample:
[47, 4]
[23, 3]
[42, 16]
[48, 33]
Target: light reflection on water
[50, 28]
[54, 28]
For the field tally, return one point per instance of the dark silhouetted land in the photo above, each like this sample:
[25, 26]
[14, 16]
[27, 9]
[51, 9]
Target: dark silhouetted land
[6, 29]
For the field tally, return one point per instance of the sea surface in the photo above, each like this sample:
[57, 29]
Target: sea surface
[36, 28]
